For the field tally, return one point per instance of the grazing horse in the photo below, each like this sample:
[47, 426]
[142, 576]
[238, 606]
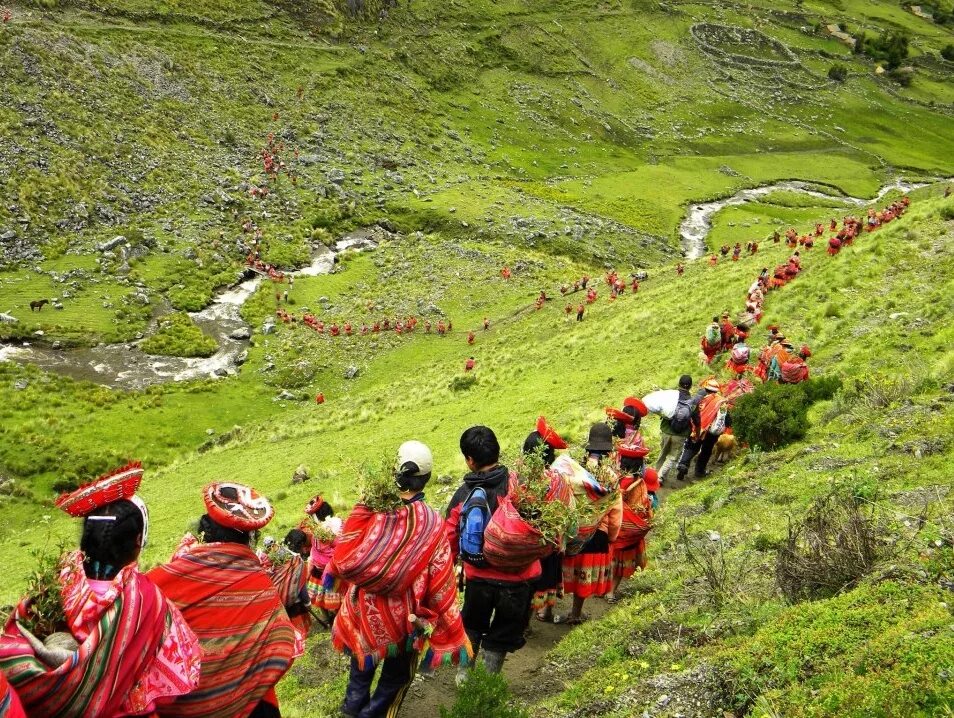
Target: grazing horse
[38, 304]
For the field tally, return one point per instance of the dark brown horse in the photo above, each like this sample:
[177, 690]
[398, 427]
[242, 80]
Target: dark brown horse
[38, 304]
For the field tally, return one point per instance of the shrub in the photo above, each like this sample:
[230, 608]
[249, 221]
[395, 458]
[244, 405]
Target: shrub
[484, 695]
[830, 550]
[462, 383]
[891, 47]
[822, 388]
[948, 53]
[838, 72]
[947, 212]
[179, 336]
[772, 416]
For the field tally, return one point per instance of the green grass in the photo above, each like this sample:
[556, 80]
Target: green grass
[563, 135]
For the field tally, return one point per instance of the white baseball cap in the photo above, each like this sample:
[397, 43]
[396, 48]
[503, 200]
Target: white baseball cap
[416, 453]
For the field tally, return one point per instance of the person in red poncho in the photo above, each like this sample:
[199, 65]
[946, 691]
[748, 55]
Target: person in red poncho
[229, 601]
[106, 604]
[590, 572]
[549, 586]
[629, 549]
[401, 607]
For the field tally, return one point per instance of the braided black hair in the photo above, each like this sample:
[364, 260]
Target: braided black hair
[212, 532]
[297, 541]
[630, 465]
[109, 544]
[533, 442]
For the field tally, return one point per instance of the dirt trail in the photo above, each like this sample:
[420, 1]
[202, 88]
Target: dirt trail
[524, 670]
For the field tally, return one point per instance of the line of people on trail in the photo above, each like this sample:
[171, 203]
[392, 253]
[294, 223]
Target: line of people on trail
[211, 632]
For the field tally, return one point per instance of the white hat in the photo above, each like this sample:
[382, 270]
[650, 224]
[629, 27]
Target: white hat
[414, 452]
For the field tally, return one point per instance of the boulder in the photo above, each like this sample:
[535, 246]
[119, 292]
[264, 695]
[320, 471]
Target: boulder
[111, 244]
[7, 318]
[351, 372]
[301, 475]
[21, 384]
[268, 327]
[241, 334]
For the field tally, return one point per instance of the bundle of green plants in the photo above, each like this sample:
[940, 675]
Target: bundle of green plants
[538, 503]
[46, 615]
[379, 489]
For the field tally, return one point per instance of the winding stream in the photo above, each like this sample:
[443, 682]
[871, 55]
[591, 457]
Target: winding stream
[126, 366]
[698, 222]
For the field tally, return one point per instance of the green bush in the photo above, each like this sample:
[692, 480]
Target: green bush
[772, 416]
[891, 47]
[179, 336]
[948, 53]
[947, 212]
[462, 383]
[822, 388]
[838, 72]
[484, 695]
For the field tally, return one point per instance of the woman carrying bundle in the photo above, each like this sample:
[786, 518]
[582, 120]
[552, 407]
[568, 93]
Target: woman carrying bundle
[590, 572]
[324, 528]
[230, 603]
[638, 485]
[288, 568]
[401, 607]
[118, 647]
[549, 586]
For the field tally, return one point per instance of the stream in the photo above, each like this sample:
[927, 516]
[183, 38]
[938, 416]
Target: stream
[698, 222]
[126, 366]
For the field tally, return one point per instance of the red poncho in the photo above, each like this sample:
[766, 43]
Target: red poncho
[397, 563]
[10, 706]
[247, 640]
[135, 650]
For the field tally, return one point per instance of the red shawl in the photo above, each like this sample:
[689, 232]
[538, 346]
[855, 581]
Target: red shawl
[247, 640]
[135, 649]
[373, 625]
[10, 706]
[385, 552]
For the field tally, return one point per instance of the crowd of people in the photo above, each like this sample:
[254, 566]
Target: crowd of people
[212, 631]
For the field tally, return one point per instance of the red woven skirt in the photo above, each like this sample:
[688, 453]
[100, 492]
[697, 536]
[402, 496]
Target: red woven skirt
[590, 572]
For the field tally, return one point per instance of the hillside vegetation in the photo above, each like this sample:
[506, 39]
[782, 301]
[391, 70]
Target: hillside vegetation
[556, 139]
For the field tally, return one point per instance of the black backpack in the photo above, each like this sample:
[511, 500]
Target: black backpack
[681, 420]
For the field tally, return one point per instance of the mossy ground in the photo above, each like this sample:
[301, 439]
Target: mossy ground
[565, 136]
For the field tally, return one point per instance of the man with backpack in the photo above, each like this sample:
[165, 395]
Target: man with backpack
[496, 609]
[712, 422]
[673, 431]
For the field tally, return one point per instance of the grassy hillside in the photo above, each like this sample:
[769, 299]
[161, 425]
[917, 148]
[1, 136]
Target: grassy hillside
[554, 138]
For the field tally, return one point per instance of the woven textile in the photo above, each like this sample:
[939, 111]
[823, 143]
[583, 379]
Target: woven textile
[374, 624]
[385, 552]
[247, 641]
[135, 648]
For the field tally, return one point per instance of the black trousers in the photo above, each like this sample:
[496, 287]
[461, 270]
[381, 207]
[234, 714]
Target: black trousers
[496, 614]
[397, 672]
[703, 447]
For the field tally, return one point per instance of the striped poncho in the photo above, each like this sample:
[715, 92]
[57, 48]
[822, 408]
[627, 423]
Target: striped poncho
[247, 640]
[135, 650]
[397, 564]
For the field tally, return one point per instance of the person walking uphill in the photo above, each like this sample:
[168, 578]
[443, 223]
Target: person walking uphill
[229, 601]
[401, 607]
[496, 608]
[674, 432]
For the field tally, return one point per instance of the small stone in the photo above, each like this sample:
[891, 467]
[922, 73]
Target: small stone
[351, 372]
[241, 334]
[21, 384]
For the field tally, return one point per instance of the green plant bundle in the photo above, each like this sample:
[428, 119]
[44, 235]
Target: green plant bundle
[46, 614]
[379, 490]
[551, 518]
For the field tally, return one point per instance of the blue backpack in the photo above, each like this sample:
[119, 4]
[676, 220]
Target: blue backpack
[474, 517]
